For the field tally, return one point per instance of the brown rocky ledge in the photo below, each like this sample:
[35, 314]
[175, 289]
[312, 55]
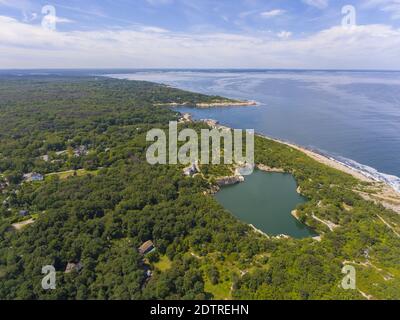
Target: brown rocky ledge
[266, 168]
[226, 181]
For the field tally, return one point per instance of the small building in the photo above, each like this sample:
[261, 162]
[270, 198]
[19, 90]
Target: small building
[3, 186]
[191, 170]
[33, 176]
[24, 213]
[60, 153]
[211, 122]
[71, 266]
[146, 247]
[365, 253]
[186, 117]
[81, 151]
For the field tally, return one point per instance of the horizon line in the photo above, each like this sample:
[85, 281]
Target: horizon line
[198, 68]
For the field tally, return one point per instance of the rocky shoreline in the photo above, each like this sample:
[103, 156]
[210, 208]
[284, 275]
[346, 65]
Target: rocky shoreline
[265, 168]
[226, 181]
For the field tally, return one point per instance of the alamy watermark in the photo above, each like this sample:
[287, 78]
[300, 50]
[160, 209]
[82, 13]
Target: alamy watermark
[214, 144]
[349, 19]
[349, 281]
[47, 15]
[49, 20]
[49, 280]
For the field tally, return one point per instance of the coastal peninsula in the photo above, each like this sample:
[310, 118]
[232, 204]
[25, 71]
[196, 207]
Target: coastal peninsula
[218, 103]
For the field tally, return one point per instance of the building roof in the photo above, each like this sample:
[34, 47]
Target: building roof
[33, 176]
[146, 246]
[71, 266]
[24, 213]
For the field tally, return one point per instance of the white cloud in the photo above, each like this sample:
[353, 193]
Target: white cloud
[284, 34]
[272, 13]
[28, 17]
[57, 19]
[320, 4]
[152, 29]
[390, 6]
[17, 4]
[29, 46]
[159, 2]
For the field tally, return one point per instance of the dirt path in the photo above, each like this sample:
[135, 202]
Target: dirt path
[329, 224]
[388, 225]
[21, 225]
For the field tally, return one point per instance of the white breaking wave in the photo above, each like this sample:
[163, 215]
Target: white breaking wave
[370, 172]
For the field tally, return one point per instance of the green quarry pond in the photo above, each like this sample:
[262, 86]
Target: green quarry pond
[266, 201]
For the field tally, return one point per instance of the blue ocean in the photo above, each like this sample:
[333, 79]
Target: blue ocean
[352, 116]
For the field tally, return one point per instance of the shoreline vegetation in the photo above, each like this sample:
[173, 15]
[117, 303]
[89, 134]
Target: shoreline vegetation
[325, 160]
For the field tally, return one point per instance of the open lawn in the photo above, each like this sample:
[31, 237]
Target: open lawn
[163, 264]
[70, 173]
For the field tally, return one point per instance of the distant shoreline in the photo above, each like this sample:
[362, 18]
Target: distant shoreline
[216, 104]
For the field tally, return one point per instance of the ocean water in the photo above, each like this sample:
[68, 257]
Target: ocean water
[351, 116]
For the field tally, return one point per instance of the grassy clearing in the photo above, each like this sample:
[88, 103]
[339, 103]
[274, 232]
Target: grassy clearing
[220, 291]
[2, 272]
[229, 268]
[71, 173]
[163, 264]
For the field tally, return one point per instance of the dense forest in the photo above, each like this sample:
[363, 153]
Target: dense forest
[95, 200]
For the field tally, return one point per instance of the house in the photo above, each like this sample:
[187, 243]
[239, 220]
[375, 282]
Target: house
[146, 247]
[81, 151]
[24, 213]
[186, 117]
[71, 266]
[33, 176]
[189, 171]
[3, 186]
[59, 153]
[210, 122]
[5, 201]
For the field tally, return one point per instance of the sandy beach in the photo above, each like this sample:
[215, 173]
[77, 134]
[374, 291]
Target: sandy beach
[325, 160]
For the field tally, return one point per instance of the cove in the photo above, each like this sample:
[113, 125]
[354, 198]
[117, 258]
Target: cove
[266, 201]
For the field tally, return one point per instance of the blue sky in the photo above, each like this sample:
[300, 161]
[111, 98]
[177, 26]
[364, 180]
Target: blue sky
[200, 33]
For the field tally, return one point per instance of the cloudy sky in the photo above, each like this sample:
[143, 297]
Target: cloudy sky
[199, 34]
